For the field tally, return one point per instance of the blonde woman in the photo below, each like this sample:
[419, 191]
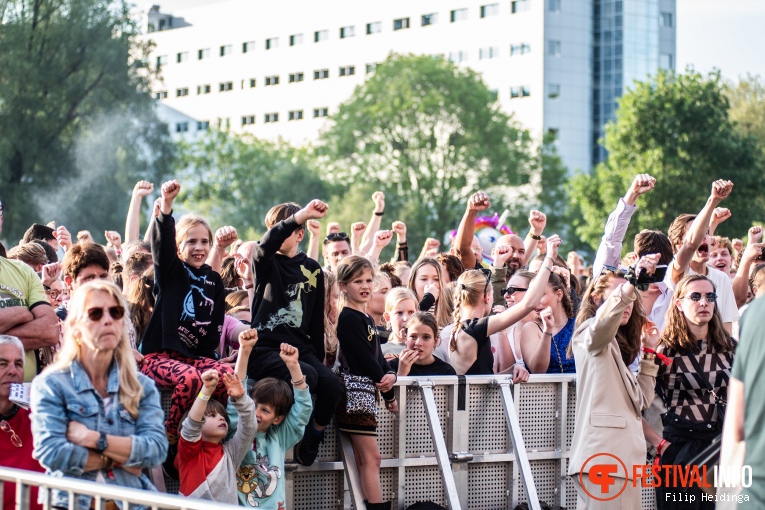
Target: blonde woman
[94, 417]
[427, 282]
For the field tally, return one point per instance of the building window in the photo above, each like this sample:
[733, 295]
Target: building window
[225, 86]
[429, 19]
[272, 43]
[182, 56]
[203, 89]
[666, 19]
[272, 80]
[183, 92]
[296, 77]
[162, 94]
[553, 5]
[271, 117]
[553, 48]
[667, 61]
[458, 56]
[296, 115]
[459, 15]
[181, 127]
[320, 35]
[248, 119]
[525, 91]
[320, 112]
[552, 134]
[348, 71]
[203, 125]
[374, 28]
[520, 49]
[486, 53]
[516, 92]
[371, 68]
[225, 50]
[248, 46]
[348, 31]
[400, 24]
[321, 74]
[253, 82]
[296, 39]
[553, 90]
[517, 6]
[161, 60]
[489, 10]
[203, 54]
[224, 122]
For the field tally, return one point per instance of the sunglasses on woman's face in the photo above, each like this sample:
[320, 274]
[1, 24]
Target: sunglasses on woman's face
[709, 297]
[512, 290]
[115, 312]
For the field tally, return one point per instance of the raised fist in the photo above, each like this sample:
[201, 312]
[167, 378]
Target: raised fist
[170, 190]
[382, 238]
[143, 188]
[399, 227]
[643, 183]
[314, 210]
[721, 189]
[358, 228]
[379, 199]
[537, 220]
[333, 228]
[64, 237]
[225, 236]
[479, 202]
[314, 227]
[113, 238]
[248, 338]
[719, 215]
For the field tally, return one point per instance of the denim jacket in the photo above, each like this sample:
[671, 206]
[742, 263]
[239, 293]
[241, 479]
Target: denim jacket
[68, 395]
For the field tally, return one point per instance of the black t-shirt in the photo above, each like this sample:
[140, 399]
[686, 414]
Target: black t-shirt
[438, 367]
[478, 329]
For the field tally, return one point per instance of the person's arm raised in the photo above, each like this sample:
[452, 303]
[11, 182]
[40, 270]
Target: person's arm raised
[698, 229]
[752, 252]
[357, 231]
[133, 221]
[367, 240]
[537, 223]
[314, 231]
[464, 239]
[224, 237]
[533, 294]
[719, 215]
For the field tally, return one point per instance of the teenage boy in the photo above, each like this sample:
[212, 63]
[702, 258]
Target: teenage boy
[287, 301]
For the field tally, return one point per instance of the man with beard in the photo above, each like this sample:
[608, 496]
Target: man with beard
[690, 242]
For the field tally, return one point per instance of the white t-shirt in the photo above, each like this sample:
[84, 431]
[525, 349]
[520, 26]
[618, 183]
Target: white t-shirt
[726, 301]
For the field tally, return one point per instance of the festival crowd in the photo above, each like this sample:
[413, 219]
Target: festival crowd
[260, 346]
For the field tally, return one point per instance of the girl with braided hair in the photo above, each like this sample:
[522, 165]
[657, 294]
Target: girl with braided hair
[469, 346]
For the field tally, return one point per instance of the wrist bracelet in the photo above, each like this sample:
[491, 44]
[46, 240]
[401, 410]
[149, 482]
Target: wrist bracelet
[535, 237]
[202, 396]
[106, 463]
[545, 267]
[248, 286]
[298, 382]
[661, 445]
[379, 213]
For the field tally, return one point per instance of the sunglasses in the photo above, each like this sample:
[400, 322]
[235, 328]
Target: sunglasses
[340, 236]
[115, 312]
[15, 439]
[487, 274]
[709, 297]
[512, 290]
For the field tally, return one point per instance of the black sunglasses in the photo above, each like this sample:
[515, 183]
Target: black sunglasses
[340, 236]
[709, 297]
[116, 313]
[487, 274]
[512, 290]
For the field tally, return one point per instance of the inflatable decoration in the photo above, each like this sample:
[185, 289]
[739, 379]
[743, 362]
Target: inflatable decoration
[488, 229]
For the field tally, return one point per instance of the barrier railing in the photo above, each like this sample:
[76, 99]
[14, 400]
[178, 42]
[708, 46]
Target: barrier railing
[102, 493]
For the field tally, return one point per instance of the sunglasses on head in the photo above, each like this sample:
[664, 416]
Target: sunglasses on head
[512, 290]
[709, 297]
[340, 236]
[487, 274]
[115, 312]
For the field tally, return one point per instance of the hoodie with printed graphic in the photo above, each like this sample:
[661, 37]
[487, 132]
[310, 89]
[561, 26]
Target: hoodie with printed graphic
[189, 309]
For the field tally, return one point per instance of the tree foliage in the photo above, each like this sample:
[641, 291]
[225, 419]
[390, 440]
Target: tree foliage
[676, 128]
[429, 134]
[747, 107]
[235, 179]
[76, 119]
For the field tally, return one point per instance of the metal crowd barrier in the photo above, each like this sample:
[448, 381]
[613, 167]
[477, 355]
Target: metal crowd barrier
[475, 442]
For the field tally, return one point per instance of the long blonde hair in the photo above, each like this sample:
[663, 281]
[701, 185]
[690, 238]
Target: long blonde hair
[330, 328]
[470, 289]
[130, 389]
[442, 313]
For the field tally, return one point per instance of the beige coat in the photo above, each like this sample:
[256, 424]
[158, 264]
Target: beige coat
[609, 397]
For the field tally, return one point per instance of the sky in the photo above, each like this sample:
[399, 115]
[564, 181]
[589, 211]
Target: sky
[728, 35]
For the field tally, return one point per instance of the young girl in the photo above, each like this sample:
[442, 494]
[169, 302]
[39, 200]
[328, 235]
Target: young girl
[361, 356]
[421, 339]
[426, 278]
[400, 305]
[470, 350]
[185, 327]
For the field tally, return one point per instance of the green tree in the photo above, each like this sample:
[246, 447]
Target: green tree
[676, 128]
[429, 134]
[235, 179]
[73, 71]
[747, 107]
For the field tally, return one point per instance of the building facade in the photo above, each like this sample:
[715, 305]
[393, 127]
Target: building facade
[278, 70]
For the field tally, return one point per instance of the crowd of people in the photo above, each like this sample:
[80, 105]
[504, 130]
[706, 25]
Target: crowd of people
[243, 334]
